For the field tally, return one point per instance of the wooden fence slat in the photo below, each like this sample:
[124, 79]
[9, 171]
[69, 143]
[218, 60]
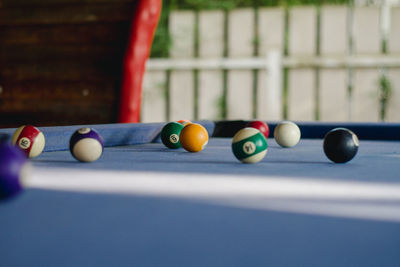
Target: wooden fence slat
[301, 91]
[240, 91]
[334, 37]
[14, 55]
[62, 71]
[333, 96]
[211, 45]
[302, 31]
[97, 91]
[211, 34]
[393, 108]
[210, 95]
[240, 82]
[65, 34]
[366, 96]
[154, 97]
[181, 95]
[367, 40]
[181, 87]
[181, 28]
[394, 34]
[301, 99]
[55, 3]
[68, 14]
[366, 30]
[271, 29]
[241, 32]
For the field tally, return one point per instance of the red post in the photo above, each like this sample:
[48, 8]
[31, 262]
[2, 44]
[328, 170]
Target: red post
[144, 24]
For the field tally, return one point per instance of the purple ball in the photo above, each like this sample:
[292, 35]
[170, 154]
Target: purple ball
[86, 145]
[12, 163]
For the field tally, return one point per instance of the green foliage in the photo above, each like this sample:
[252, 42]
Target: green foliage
[201, 4]
[162, 41]
[385, 94]
[221, 104]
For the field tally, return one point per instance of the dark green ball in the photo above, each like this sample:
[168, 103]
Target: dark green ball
[170, 135]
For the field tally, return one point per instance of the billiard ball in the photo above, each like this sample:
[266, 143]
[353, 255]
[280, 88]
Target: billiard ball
[170, 134]
[193, 137]
[184, 122]
[249, 145]
[29, 139]
[86, 145]
[287, 134]
[261, 126]
[340, 145]
[14, 169]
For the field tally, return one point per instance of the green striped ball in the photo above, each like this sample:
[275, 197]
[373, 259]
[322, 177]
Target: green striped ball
[170, 135]
[249, 145]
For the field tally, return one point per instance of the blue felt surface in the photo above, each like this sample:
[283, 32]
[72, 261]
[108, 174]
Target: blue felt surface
[50, 228]
[44, 228]
[375, 161]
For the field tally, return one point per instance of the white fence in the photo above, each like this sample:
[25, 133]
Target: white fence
[305, 63]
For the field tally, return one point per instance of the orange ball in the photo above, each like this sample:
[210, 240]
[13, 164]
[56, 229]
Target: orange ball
[193, 137]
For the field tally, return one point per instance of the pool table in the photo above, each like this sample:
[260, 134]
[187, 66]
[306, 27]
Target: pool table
[142, 204]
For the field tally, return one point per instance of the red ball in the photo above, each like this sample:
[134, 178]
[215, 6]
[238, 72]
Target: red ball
[29, 139]
[261, 126]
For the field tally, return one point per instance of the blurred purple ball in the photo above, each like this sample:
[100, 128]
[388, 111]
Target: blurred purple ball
[12, 163]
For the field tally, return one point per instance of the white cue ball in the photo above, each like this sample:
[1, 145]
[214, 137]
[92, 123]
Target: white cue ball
[287, 134]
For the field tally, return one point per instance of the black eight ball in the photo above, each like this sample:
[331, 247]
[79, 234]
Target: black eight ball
[340, 145]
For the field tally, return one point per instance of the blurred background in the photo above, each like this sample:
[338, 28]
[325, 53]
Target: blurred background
[302, 60]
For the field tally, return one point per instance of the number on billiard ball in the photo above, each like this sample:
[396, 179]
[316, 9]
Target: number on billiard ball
[340, 145]
[86, 145]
